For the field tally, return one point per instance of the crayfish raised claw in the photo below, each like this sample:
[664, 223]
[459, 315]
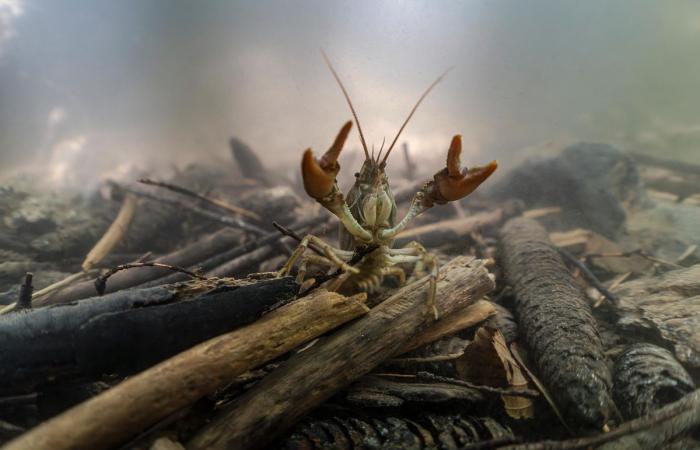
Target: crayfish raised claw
[368, 213]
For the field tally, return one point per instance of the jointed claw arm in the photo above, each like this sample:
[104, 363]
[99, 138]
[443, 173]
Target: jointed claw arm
[449, 184]
[320, 183]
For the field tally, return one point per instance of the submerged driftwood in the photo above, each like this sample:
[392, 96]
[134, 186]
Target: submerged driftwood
[126, 331]
[556, 322]
[308, 378]
[646, 378]
[665, 307]
[114, 416]
[396, 431]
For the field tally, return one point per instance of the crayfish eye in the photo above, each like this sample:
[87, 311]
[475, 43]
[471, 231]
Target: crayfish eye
[357, 174]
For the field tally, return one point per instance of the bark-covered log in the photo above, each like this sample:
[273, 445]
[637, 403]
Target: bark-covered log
[140, 401]
[125, 331]
[40, 342]
[591, 182]
[647, 377]
[416, 432]
[556, 322]
[189, 255]
[666, 307]
[310, 377]
[684, 418]
[154, 334]
[249, 163]
[658, 430]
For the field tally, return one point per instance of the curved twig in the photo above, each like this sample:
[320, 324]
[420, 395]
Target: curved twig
[101, 281]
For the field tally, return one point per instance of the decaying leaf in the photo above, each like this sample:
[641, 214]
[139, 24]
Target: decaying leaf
[488, 361]
[612, 257]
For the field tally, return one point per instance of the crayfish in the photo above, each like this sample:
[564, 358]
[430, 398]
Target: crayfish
[367, 215]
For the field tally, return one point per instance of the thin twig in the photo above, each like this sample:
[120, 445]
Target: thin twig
[212, 201]
[101, 281]
[114, 234]
[228, 220]
[492, 443]
[292, 234]
[616, 282]
[637, 252]
[529, 393]
[631, 427]
[23, 399]
[427, 359]
[590, 276]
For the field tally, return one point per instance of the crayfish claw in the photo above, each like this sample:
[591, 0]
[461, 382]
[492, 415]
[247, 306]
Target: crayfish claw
[331, 156]
[319, 174]
[452, 182]
[453, 164]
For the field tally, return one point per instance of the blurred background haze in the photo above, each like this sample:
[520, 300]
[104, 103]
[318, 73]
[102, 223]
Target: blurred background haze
[94, 88]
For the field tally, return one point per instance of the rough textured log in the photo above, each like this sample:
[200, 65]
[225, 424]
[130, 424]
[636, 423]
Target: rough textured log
[685, 416]
[124, 332]
[310, 377]
[655, 431]
[154, 334]
[186, 256]
[591, 182]
[142, 400]
[556, 322]
[417, 431]
[647, 377]
[36, 343]
[666, 307]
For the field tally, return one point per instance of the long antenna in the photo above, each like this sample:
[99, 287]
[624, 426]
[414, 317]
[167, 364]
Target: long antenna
[379, 155]
[425, 94]
[347, 97]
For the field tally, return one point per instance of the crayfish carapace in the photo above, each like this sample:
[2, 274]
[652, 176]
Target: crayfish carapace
[368, 213]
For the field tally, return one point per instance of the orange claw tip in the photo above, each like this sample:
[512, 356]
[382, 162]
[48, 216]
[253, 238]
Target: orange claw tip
[453, 163]
[483, 172]
[331, 156]
[453, 188]
[318, 182]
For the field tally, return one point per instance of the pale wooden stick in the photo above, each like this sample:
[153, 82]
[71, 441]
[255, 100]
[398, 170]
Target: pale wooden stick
[461, 226]
[309, 378]
[212, 201]
[459, 320]
[141, 401]
[113, 235]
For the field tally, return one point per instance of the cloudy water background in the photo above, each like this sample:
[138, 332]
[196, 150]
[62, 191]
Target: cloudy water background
[94, 88]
